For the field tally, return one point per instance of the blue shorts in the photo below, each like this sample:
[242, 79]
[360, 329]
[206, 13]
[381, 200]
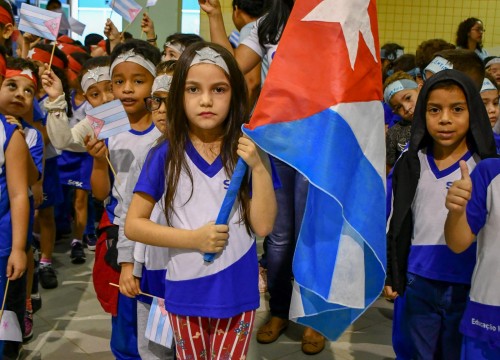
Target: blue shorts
[75, 169]
[52, 191]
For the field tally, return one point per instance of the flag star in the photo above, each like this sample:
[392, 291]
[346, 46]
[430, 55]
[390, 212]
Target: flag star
[353, 18]
[27, 72]
[208, 54]
[95, 125]
[31, 53]
[94, 73]
[126, 55]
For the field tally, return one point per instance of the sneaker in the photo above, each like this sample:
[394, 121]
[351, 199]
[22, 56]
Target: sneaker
[47, 276]
[262, 280]
[36, 302]
[91, 241]
[28, 326]
[77, 254]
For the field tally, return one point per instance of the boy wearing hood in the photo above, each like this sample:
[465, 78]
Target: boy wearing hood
[450, 124]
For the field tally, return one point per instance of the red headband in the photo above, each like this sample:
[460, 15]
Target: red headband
[44, 56]
[65, 39]
[5, 17]
[27, 73]
[3, 66]
[69, 48]
[74, 65]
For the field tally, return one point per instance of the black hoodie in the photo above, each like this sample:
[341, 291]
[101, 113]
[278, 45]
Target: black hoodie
[407, 169]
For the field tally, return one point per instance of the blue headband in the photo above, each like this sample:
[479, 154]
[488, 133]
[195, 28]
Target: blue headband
[438, 64]
[488, 85]
[398, 86]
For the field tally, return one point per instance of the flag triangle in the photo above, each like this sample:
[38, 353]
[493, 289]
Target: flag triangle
[53, 25]
[97, 124]
[133, 13]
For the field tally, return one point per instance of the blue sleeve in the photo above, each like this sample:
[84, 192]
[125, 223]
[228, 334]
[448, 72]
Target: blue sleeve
[38, 114]
[36, 152]
[152, 178]
[481, 177]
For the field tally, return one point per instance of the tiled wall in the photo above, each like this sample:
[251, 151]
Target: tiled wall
[410, 22]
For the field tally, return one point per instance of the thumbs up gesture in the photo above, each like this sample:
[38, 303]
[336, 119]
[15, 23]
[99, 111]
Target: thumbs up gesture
[460, 192]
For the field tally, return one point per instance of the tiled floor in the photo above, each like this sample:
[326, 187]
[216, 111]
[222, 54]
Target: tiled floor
[71, 325]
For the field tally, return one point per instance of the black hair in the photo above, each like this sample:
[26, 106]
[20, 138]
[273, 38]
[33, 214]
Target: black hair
[487, 60]
[183, 39]
[466, 61]
[80, 57]
[273, 23]
[427, 50]
[8, 42]
[127, 36]
[166, 66]
[463, 33]
[92, 39]
[21, 64]
[254, 8]
[140, 47]
[54, 2]
[390, 51]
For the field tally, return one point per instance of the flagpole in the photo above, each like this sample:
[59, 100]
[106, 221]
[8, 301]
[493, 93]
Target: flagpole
[140, 292]
[113, 170]
[111, 13]
[4, 297]
[52, 54]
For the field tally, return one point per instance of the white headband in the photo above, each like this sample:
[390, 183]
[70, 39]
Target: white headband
[176, 46]
[398, 86]
[135, 58]
[208, 55]
[495, 60]
[93, 76]
[488, 85]
[161, 83]
[438, 64]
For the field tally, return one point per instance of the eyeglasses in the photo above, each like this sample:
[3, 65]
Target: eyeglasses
[479, 30]
[153, 103]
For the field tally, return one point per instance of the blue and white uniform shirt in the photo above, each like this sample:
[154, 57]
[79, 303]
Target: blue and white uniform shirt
[124, 148]
[6, 131]
[34, 140]
[229, 285]
[481, 318]
[429, 256]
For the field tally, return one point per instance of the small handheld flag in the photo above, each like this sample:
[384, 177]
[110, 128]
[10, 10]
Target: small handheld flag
[128, 9]
[231, 195]
[76, 26]
[39, 22]
[151, 3]
[158, 328]
[108, 119]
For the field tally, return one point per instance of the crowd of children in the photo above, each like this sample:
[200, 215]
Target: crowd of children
[162, 181]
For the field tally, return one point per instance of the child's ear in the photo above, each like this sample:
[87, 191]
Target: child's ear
[7, 31]
[419, 81]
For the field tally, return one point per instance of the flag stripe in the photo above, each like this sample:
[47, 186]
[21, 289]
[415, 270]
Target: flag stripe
[122, 7]
[106, 134]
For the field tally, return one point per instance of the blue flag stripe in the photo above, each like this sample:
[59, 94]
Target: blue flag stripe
[36, 31]
[115, 131]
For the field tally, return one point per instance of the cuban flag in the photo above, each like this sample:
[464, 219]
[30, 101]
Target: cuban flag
[39, 22]
[320, 111]
[128, 9]
[108, 119]
[158, 328]
[151, 3]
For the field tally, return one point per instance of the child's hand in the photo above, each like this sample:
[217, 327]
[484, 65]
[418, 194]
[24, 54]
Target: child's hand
[129, 284]
[51, 84]
[96, 148]
[212, 238]
[16, 265]
[31, 39]
[389, 293]
[250, 153]
[460, 192]
[211, 7]
[13, 120]
[110, 31]
[147, 25]
[37, 190]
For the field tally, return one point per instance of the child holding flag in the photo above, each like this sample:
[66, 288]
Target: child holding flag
[132, 74]
[450, 124]
[206, 108]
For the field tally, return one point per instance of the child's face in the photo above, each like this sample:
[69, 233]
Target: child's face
[494, 70]
[490, 100]
[159, 116]
[403, 103]
[207, 98]
[99, 93]
[131, 84]
[170, 54]
[447, 117]
[16, 96]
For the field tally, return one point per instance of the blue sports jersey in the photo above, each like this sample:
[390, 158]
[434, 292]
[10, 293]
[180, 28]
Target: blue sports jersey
[34, 140]
[481, 318]
[6, 131]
